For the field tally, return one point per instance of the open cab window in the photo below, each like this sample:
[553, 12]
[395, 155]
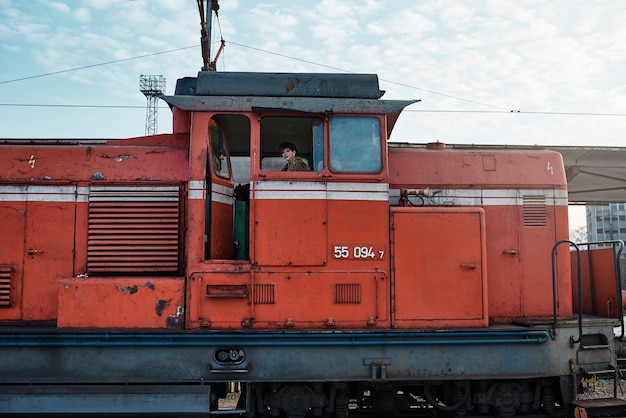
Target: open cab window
[306, 134]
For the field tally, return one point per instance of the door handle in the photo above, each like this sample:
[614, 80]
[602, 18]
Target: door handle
[468, 266]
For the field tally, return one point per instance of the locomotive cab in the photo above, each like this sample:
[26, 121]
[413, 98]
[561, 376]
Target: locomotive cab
[263, 230]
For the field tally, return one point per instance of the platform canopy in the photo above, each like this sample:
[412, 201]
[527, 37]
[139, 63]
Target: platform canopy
[594, 174]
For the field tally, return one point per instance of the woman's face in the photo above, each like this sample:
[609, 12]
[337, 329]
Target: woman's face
[288, 153]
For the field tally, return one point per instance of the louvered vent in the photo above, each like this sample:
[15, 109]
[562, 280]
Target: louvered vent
[534, 210]
[264, 294]
[347, 293]
[134, 230]
[6, 285]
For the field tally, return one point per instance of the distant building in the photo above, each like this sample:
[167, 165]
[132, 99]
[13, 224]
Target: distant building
[606, 222]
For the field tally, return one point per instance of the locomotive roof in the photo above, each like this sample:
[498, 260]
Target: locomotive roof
[212, 83]
[304, 92]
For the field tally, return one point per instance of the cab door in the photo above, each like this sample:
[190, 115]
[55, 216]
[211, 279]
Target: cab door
[220, 197]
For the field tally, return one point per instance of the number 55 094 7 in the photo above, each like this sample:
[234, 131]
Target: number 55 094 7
[358, 252]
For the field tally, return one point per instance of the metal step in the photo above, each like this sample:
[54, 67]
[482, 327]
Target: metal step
[600, 403]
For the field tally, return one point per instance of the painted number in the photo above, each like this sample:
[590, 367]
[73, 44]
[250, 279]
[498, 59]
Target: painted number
[357, 252]
[341, 252]
[364, 252]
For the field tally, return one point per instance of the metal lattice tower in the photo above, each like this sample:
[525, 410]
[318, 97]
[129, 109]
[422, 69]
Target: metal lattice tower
[153, 87]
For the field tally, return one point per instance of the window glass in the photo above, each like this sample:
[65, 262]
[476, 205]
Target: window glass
[355, 145]
[218, 149]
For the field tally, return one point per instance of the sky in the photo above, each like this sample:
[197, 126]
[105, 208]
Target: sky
[523, 72]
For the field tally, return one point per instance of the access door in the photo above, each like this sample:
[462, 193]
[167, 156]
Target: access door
[438, 274]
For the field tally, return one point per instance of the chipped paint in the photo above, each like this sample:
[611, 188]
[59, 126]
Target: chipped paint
[150, 286]
[161, 305]
[31, 161]
[291, 84]
[128, 289]
[118, 158]
[177, 320]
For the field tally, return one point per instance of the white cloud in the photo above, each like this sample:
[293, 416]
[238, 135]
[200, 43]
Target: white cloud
[82, 15]
[59, 7]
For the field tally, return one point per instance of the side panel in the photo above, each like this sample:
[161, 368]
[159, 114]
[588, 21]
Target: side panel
[121, 302]
[48, 246]
[289, 223]
[439, 269]
[220, 297]
[599, 285]
[537, 236]
[503, 247]
[324, 300]
[12, 219]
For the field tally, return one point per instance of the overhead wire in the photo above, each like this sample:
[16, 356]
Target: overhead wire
[96, 65]
[498, 109]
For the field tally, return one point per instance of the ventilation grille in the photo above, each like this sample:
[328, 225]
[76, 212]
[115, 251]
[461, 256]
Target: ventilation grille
[534, 210]
[264, 294]
[134, 230]
[6, 285]
[347, 293]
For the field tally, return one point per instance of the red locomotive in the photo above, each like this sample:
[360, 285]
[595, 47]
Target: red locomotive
[145, 275]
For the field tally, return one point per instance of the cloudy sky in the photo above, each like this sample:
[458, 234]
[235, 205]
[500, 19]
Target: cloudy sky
[487, 72]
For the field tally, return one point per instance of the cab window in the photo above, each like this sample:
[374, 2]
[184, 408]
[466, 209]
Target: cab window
[355, 145]
[305, 134]
[218, 149]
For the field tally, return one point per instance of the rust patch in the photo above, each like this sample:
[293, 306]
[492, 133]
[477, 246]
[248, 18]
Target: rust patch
[291, 84]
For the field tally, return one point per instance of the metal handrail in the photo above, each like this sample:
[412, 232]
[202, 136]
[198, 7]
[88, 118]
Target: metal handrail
[554, 286]
[618, 246]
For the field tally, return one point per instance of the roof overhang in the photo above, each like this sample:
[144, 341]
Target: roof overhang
[594, 174]
[319, 105]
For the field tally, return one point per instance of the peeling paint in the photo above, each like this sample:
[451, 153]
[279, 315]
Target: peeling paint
[31, 161]
[118, 158]
[176, 321]
[150, 286]
[161, 305]
[128, 289]
[291, 84]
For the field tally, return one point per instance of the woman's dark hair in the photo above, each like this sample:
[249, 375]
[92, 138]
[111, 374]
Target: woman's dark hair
[289, 145]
